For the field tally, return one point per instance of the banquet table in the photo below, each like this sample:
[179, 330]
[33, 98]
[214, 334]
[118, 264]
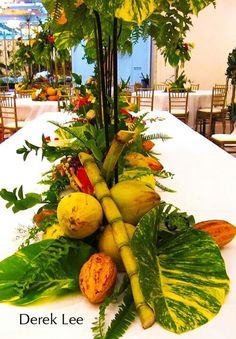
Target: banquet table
[205, 184]
[197, 99]
[28, 109]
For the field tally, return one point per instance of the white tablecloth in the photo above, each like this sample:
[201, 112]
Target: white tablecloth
[205, 184]
[27, 109]
[197, 99]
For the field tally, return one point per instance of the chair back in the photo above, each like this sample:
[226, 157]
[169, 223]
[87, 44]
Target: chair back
[219, 95]
[161, 86]
[27, 93]
[145, 98]
[178, 103]
[137, 86]
[8, 115]
[4, 89]
[64, 103]
[195, 87]
[66, 90]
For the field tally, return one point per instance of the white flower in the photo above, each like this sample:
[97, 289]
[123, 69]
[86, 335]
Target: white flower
[187, 85]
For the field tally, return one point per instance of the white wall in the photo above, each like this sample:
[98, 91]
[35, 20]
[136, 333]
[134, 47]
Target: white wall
[128, 66]
[214, 36]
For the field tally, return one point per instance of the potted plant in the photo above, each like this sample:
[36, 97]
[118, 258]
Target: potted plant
[145, 80]
[231, 74]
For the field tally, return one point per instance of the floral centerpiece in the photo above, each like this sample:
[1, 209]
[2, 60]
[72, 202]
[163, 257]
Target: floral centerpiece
[101, 212]
[181, 83]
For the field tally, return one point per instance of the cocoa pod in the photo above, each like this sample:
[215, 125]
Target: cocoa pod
[221, 231]
[97, 277]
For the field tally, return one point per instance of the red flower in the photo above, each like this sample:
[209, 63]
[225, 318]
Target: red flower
[47, 139]
[86, 185]
[51, 39]
[124, 111]
[81, 101]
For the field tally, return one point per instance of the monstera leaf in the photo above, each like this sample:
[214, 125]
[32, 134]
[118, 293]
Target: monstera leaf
[184, 280]
[136, 11]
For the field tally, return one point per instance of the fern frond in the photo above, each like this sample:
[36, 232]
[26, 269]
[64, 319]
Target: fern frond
[161, 136]
[138, 121]
[100, 324]
[164, 188]
[130, 174]
[123, 318]
[57, 10]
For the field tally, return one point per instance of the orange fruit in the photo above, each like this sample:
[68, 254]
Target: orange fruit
[51, 91]
[53, 97]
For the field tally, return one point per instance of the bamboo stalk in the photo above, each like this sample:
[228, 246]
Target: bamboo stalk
[120, 140]
[120, 235]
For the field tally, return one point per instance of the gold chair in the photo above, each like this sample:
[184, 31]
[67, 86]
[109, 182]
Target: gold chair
[225, 141]
[216, 112]
[24, 94]
[8, 116]
[66, 90]
[221, 86]
[178, 104]
[195, 87]
[161, 86]
[4, 89]
[145, 98]
[137, 86]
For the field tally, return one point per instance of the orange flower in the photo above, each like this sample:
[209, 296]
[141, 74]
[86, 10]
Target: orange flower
[139, 160]
[148, 145]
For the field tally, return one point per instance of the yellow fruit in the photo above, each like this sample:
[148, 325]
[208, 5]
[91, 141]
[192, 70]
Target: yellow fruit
[33, 96]
[53, 232]
[134, 199]
[108, 246]
[79, 214]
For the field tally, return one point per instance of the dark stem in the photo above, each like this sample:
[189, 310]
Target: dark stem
[103, 86]
[99, 82]
[115, 85]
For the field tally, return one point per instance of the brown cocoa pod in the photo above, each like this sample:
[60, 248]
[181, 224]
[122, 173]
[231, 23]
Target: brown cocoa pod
[97, 277]
[221, 231]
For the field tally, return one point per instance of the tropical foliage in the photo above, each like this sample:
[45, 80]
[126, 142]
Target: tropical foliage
[177, 271]
[167, 22]
[231, 74]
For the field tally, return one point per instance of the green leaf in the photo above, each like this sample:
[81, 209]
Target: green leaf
[47, 268]
[18, 200]
[30, 200]
[184, 279]
[197, 5]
